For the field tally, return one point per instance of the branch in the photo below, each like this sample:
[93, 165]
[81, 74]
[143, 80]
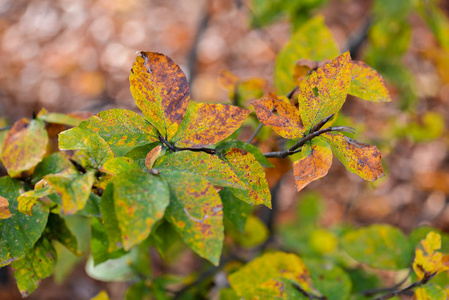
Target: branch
[207, 150]
[406, 289]
[295, 148]
[372, 292]
[307, 294]
[357, 38]
[6, 128]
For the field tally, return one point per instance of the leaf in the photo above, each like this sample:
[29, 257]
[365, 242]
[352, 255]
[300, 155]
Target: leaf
[110, 222]
[205, 165]
[255, 233]
[52, 164]
[59, 231]
[325, 91]
[258, 155]
[251, 173]
[280, 115]
[35, 266]
[116, 165]
[359, 158]
[22, 230]
[234, 209]
[140, 200]
[28, 199]
[421, 232]
[74, 189]
[59, 118]
[122, 129]
[429, 261]
[99, 244]
[315, 163]
[101, 296]
[139, 154]
[312, 41]
[24, 146]
[160, 90]
[272, 276]
[4, 208]
[119, 269]
[196, 212]
[368, 84]
[152, 156]
[379, 246]
[329, 279]
[242, 90]
[94, 151]
[207, 124]
[429, 291]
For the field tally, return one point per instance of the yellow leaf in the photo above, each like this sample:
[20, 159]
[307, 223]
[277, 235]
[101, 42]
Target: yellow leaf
[429, 261]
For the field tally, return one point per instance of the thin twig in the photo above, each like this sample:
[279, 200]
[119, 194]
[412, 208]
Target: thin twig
[166, 143]
[251, 138]
[307, 294]
[372, 292]
[406, 289]
[207, 150]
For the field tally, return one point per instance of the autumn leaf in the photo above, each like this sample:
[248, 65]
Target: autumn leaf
[160, 90]
[280, 115]
[359, 158]
[314, 164]
[368, 84]
[117, 165]
[24, 146]
[428, 260]
[4, 208]
[122, 129]
[325, 91]
[58, 118]
[28, 199]
[196, 212]
[271, 275]
[241, 90]
[152, 156]
[207, 124]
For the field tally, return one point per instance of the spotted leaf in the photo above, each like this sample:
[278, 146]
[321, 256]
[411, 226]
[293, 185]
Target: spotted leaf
[368, 84]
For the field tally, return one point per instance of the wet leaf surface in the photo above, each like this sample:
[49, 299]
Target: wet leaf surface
[368, 84]
[19, 232]
[315, 163]
[160, 90]
[207, 124]
[251, 173]
[24, 146]
[196, 212]
[205, 165]
[271, 276]
[140, 200]
[280, 115]
[359, 158]
[325, 90]
[122, 129]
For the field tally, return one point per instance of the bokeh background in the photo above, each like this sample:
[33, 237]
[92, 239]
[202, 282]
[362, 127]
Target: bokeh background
[76, 55]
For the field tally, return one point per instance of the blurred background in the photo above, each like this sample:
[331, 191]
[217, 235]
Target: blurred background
[76, 55]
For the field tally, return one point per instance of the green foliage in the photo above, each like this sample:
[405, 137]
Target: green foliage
[177, 178]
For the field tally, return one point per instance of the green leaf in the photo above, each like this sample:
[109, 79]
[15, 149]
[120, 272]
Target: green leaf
[166, 239]
[258, 155]
[196, 212]
[73, 187]
[250, 172]
[20, 231]
[92, 207]
[207, 124]
[140, 200]
[139, 154]
[312, 41]
[111, 225]
[37, 264]
[379, 246]
[59, 118]
[122, 129]
[28, 199]
[272, 276]
[93, 150]
[420, 233]
[430, 291]
[99, 244]
[52, 164]
[368, 84]
[116, 165]
[234, 209]
[205, 165]
[24, 146]
[359, 158]
[329, 279]
[325, 91]
[161, 91]
[59, 231]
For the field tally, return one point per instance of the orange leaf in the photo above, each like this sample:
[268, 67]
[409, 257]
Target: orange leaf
[314, 165]
[4, 208]
[160, 90]
[280, 115]
[152, 156]
[207, 124]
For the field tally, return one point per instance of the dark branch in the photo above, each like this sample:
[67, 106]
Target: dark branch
[166, 143]
[372, 292]
[322, 123]
[307, 294]
[6, 128]
[207, 150]
[78, 166]
[356, 39]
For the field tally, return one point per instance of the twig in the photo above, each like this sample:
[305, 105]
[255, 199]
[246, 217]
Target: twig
[166, 143]
[6, 128]
[307, 294]
[406, 289]
[372, 292]
[295, 148]
[207, 150]
[193, 53]
[356, 39]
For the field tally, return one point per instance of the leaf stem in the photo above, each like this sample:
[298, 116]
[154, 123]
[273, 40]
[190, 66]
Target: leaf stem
[166, 143]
